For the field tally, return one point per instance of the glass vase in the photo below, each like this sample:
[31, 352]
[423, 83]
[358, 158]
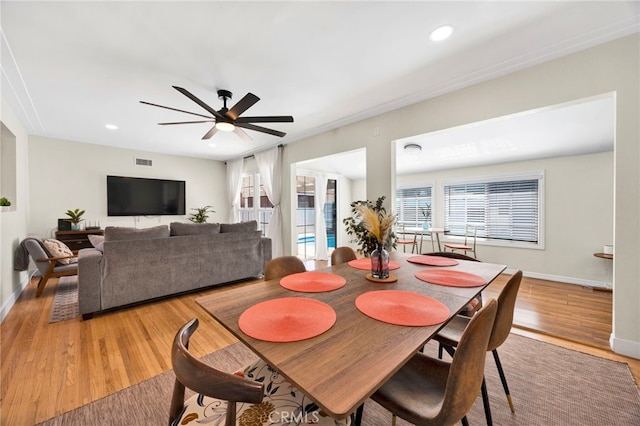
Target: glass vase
[380, 263]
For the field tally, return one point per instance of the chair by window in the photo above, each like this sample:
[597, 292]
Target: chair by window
[283, 266]
[429, 391]
[254, 392]
[404, 241]
[469, 245]
[49, 266]
[450, 336]
[342, 255]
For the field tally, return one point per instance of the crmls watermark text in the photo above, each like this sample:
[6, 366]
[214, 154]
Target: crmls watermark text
[296, 418]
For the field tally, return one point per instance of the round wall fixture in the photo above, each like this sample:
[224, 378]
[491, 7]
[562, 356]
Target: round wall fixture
[412, 149]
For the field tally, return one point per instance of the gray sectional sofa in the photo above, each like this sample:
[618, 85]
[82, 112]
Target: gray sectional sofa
[129, 265]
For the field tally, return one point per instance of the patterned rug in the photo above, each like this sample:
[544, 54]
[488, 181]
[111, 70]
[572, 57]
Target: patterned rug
[65, 302]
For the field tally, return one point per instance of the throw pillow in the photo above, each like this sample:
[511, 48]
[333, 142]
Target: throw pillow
[58, 249]
[97, 241]
[178, 228]
[119, 233]
[249, 226]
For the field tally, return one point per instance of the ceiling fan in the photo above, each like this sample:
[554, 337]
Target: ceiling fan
[228, 120]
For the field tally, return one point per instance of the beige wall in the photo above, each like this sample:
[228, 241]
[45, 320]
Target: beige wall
[577, 219]
[68, 175]
[609, 68]
[13, 223]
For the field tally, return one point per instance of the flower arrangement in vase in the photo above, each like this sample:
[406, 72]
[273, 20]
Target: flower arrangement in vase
[355, 228]
[379, 225]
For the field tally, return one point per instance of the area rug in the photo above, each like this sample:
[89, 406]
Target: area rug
[65, 301]
[550, 385]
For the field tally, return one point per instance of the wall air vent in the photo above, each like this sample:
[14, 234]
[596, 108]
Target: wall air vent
[144, 162]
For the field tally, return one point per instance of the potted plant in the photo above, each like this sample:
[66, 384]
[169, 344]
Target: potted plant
[201, 214]
[4, 203]
[355, 227]
[75, 217]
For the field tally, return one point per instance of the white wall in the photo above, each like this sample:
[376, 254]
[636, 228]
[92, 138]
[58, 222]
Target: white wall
[13, 223]
[581, 183]
[612, 67]
[68, 175]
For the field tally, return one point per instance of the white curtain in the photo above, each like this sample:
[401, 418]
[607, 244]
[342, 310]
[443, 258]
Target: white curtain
[322, 252]
[234, 185]
[270, 168]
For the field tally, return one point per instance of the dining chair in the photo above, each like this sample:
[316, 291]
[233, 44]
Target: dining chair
[450, 336]
[342, 255]
[282, 266]
[430, 391]
[255, 394]
[404, 241]
[470, 233]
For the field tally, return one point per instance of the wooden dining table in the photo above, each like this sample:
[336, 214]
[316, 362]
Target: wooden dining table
[340, 368]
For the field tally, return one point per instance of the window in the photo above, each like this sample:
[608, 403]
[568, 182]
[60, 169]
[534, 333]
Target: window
[252, 209]
[507, 209]
[413, 206]
[305, 216]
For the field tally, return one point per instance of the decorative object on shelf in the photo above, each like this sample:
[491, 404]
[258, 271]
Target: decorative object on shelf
[91, 224]
[75, 217]
[379, 226]
[4, 202]
[200, 215]
[360, 235]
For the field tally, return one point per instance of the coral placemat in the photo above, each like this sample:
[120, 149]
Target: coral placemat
[450, 278]
[433, 260]
[287, 319]
[365, 263]
[402, 308]
[312, 282]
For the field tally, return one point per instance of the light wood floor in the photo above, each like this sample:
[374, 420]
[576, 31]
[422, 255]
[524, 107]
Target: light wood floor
[48, 369]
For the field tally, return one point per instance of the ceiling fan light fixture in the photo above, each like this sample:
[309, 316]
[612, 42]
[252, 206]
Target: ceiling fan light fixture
[412, 149]
[225, 127]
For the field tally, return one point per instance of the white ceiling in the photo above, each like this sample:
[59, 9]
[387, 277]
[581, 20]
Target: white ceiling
[69, 68]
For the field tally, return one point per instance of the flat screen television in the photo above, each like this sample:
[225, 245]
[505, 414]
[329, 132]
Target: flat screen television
[131, 196]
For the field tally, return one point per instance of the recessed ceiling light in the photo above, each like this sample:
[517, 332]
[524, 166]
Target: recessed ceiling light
[441, 33]
[111, 126]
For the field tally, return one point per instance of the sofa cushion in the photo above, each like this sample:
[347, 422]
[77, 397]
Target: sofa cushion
[249, 226]
[178, 228]
[97, 241]
[59, 249]
[120, 233]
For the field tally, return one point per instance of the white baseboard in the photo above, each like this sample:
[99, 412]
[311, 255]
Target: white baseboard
[568, 280]
[625, 347]
[11, 300]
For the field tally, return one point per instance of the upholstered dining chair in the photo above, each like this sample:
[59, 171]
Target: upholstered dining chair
[255, 394]
[282, 266]
[469, 245]
[450, 336]
[49, 266]
[342, 255]
[430, 391]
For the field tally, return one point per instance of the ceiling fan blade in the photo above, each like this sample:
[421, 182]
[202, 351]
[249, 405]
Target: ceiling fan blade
[174, 109]
[242, 134]
[210, 133]
[243, 104]
[187, 122]
[266, 119]
[260, 129]
[198, 101]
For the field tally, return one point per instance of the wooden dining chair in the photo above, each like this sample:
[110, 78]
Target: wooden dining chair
[255, 394]
[342, 255]
[430, 391]
[469, 244]
[449, 337]
[404, 241]
[282, 266]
